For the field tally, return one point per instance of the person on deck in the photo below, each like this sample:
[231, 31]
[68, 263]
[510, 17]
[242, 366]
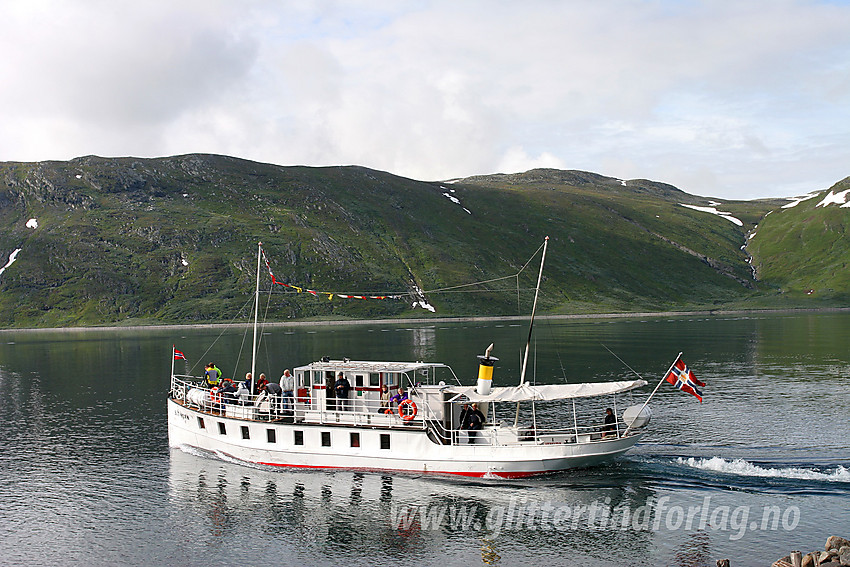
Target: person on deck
[287, 386]
[212, 375]
[342, 387]
[274, 392]
[472, 422]
[228, 391]
[463, 413]
[244, 390]
[261, 382]
[610, 422]
[400, 396]
[385, 400]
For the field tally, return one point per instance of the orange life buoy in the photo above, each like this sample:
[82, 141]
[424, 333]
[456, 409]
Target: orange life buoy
[407, 416]
[215, 395]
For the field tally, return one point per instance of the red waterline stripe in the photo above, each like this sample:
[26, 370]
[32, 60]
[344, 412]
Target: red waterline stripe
[467, 474]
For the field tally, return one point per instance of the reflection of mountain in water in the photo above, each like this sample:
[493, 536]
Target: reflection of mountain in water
[315, 516]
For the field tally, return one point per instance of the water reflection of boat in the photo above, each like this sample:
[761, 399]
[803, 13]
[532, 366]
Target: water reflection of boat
[373, 518]
[428, 430]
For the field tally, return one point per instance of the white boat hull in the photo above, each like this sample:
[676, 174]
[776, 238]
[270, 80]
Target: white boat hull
[410, 449]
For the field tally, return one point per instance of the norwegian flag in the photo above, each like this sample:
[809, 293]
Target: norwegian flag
[178, 355]
[681, 377]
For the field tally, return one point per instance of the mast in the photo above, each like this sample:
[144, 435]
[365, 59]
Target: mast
[533, 310]
[531, 326]
[256, 309]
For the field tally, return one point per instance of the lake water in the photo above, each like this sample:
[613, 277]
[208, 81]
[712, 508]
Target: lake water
[760, 468]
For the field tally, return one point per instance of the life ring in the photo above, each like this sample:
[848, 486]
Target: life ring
[215, 395]
[404, 414]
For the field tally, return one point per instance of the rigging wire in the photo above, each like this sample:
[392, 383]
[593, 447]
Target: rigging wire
[623, 361]
[224, 330]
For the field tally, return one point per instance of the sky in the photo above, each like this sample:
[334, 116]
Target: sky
[727, 99]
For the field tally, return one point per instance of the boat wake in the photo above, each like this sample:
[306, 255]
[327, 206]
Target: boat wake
[745, 468]
[220, 456]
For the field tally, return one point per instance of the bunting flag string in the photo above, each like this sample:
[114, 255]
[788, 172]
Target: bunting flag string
[418, 295]
[329, 294]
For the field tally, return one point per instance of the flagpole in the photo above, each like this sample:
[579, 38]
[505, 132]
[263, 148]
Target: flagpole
[663, 378]
[173, 348]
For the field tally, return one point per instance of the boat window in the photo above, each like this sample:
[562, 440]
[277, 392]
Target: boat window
[358, 381]
[201, 424]
[326, 438]
[355, 439]
[271, 436]
[385, 440]
[299, 437]
[317, 377]
[374, 379]
[245, 433]
[222, 429]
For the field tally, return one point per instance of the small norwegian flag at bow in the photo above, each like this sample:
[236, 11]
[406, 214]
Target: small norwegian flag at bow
[178, 355]
[681, 377]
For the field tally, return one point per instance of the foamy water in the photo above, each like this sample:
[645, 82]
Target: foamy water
[745, 468]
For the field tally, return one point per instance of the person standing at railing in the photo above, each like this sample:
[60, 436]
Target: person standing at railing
[244, 391]
[287, 385]
[212, 375]
[228, 391]
[274, 392]
[342, 387]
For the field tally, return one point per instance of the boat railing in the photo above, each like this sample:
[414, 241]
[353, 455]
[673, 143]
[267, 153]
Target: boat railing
[502, 434]
[193, 392]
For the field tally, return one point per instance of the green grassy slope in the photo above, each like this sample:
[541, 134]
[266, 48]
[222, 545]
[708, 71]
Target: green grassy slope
[174, 240]
[804, 251]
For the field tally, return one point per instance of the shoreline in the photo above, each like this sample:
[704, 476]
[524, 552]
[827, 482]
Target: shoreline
[420, 320]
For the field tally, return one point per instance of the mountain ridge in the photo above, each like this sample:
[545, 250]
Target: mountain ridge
[163, 240]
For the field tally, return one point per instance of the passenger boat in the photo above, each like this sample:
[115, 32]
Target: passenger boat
[423, 434]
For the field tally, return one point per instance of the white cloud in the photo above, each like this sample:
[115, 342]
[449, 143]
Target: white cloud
[735, 100]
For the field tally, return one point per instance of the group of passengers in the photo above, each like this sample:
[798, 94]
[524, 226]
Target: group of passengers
[280, 393]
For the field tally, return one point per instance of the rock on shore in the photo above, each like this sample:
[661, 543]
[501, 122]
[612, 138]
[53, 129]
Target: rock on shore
[836, 553]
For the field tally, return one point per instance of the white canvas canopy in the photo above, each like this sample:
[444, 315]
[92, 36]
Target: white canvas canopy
[547, 392]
